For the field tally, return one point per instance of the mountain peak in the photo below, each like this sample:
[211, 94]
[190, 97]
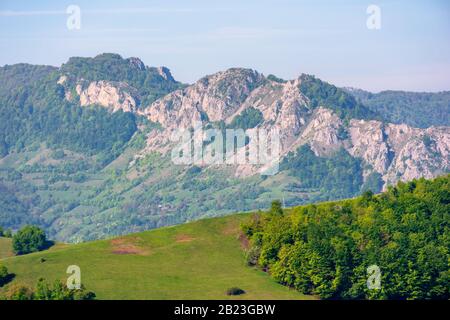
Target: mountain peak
[165, 73]
[136, 63]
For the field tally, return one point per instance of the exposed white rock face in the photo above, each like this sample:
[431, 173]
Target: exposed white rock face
[369, 143]
[395, 151]
[283, 107]
[322, 132]
[165, 73]
[113, 95]
[62, 79]
[400, 152]
[419, 153]
[216, 96]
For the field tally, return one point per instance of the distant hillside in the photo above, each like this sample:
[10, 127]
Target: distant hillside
[198, 260]
[417, 109]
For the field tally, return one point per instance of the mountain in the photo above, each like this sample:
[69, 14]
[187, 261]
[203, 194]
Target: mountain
[417, 109]
[86, 148]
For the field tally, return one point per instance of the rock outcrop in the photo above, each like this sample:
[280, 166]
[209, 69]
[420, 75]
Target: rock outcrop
[397, 152]
[115, 96]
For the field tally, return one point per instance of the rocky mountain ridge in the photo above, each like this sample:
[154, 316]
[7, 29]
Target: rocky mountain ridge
[396, 151]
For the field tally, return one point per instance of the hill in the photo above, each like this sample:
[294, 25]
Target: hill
[198, 260]
[5, 248]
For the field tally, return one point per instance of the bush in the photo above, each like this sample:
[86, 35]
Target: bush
[3, 275]
[18, 292]
[29, 239]
[7, 233]
[234, 291]
[44, 291]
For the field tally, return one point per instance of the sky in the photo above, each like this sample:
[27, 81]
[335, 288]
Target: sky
[193, 38]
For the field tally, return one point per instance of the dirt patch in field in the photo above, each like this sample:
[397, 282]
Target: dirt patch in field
[183, 238]
[231, 228]
[245, 243]
[127, 246]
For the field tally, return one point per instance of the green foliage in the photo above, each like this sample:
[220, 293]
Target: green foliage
[20, 75]
[417, 109]
[3, 274]
[373, 182]
[18, 292]
[325, 249]
[14, 209]
[336, 177]
[249, 118]
[45, 291]
[58, 291]
[276, 208]
[29, 239]
[275, 78]
[323, 94]
[58, 154]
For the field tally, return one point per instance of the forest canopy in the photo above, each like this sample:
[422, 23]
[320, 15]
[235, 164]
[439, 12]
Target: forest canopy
[325, 249]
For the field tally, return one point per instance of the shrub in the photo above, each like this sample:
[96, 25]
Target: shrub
[234, 291]
[19, 292]
[3, 275]
[45, 291]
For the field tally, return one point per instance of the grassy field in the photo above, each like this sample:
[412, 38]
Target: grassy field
[198, 260]
[5, 248]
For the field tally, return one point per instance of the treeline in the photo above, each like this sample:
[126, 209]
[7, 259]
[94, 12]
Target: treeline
[326, 249]
[417, 109]
[323, 94]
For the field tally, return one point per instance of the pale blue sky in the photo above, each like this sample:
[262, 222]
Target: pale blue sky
[284, 37]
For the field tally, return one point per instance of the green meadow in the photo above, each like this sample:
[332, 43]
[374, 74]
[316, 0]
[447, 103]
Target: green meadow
[197, 260]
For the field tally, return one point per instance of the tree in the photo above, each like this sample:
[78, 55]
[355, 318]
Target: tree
[276, 208]
[29, 239]
[7, 233]
[1, 232]
[3, 275]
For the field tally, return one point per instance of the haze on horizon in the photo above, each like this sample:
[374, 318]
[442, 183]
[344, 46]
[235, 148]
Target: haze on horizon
[331, 40]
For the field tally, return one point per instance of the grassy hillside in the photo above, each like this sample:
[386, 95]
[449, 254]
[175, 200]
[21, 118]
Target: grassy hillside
[198, 260]
[5, 248]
